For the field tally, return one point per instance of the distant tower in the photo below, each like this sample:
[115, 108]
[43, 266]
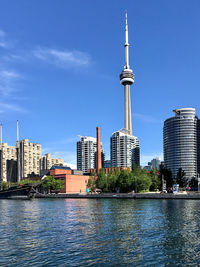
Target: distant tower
[127, 79]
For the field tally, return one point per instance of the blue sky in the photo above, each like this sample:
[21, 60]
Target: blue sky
[60, 63]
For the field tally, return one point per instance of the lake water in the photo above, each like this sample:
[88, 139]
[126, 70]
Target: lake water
[88, 232]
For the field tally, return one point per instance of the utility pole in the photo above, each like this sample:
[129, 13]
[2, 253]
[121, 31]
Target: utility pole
[1, 133]
[17, 130]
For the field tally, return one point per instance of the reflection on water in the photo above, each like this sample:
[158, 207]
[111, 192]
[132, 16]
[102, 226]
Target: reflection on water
[102, 232]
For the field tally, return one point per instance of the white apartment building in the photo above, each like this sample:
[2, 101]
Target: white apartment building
[87, 153]
[125, 149]
[19, 162]
[6, 153]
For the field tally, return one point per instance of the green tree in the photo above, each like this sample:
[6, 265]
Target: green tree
[141, 180]
[155, 180]
[167, 175]
[58, 184]
[102, 181]
[112, 180]
[92, 182]
[50, 183]
[4, 185]
[180, 178]
[29, 181]
[125, 181]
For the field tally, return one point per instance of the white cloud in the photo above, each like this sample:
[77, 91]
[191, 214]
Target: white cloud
[72, 166]
[5, 107]
[63, 58]
[144, 159]
[21, 57]
[64, 141]
[3, 42]
[6, 74]
[146, 118]
[2, 33]
[7, 81]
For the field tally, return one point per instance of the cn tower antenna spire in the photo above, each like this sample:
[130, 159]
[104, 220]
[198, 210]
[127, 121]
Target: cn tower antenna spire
[126, 45]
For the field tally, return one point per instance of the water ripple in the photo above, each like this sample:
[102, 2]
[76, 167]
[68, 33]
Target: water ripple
[102, 232]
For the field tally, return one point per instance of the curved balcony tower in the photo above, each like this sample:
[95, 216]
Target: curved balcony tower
[181, 142]
[127, 79]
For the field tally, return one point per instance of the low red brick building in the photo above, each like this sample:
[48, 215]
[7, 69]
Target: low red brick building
[73, 181]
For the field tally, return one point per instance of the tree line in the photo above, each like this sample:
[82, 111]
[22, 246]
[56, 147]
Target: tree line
[125, 181]
[138, 180]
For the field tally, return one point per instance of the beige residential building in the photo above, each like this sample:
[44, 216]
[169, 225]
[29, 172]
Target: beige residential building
[28, 156]
[7, 153]
[47, 162]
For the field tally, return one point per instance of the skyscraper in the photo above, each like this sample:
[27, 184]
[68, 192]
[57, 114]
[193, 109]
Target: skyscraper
[87, 153]
[127, 79]
[181, 138]
[125, 149]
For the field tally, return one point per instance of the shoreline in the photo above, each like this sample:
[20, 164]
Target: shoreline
[124, 196]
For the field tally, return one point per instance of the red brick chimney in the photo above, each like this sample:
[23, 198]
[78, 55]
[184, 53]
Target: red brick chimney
[98, 149]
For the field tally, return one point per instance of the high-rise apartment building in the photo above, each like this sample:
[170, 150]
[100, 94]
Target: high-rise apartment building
[125, 149]
[47, 162]
[28, 156]
[155, 163]
[87, 153]
[8, 155]
[181, 141]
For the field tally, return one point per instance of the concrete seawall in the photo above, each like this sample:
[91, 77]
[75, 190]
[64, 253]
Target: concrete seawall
[124, 196]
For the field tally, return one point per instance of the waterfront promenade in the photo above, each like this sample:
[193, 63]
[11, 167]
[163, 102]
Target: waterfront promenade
[188, 195]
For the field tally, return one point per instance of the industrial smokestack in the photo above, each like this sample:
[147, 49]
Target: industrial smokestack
[1, 133]
[98, 149]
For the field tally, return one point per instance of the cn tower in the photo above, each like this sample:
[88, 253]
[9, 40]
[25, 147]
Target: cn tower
[127, 79]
